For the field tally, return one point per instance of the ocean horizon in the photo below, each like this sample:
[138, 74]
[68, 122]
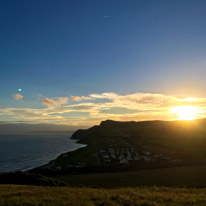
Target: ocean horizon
[26, 151]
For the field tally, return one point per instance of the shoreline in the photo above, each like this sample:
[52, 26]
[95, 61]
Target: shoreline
[43, 153]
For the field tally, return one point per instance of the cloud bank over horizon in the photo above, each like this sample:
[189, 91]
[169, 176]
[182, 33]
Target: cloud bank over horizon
[93, 108]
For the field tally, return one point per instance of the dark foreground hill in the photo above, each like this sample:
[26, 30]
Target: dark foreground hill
[190, 176]
[23, 178]
[125, 146]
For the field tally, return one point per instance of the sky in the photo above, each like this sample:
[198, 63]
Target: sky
[78, 62]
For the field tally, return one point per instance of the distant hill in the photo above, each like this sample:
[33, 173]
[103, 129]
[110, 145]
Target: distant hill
[52, 132]
[21, 128]
[125, 146]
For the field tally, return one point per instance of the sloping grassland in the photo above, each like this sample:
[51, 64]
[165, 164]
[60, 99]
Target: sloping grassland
[144, 196]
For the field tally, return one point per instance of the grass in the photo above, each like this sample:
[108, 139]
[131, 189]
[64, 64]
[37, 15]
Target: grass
[178, 176]
[144, 196]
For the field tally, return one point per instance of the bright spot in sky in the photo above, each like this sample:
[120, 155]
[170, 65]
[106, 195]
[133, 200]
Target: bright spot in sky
[191, 99]
[185, 112]
[19, 90]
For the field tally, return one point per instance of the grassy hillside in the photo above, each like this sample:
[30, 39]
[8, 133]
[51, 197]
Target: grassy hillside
[178, 176]
[137, 145]
[145, 196]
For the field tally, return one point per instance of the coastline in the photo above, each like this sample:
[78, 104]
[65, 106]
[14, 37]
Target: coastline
[46, 147]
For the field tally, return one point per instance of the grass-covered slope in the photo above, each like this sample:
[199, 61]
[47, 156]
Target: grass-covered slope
[193, 176]
[146, 196]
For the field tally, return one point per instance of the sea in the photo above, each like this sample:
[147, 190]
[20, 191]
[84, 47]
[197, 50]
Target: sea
[27, 151]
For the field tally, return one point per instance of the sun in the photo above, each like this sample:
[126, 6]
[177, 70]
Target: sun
[185, 112]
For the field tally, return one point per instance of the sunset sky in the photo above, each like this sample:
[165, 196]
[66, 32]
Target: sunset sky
[78, 62]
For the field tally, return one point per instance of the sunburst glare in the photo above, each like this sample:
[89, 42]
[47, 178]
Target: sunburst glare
[185, 112]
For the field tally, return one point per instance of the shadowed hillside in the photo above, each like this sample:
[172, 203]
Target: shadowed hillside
[123, 146]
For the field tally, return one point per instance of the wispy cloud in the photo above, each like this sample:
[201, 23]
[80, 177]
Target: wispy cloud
[138, 98]
[77, 98]
[18, 97]
[54, 102]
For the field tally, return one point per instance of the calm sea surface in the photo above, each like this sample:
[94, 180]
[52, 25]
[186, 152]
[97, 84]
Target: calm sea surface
[23, 152]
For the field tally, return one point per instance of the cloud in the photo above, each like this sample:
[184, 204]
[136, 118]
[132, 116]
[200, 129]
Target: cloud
[109, 95]
[137, 98]
[70, 108]
[118, 111]
[77, 98]
[154, 99]
[18, 97]
[135, 106]
[57, 102]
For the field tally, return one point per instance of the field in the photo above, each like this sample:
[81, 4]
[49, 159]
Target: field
[179, 176]
[144, 196]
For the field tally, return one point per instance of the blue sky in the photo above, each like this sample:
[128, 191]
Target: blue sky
[57, 49]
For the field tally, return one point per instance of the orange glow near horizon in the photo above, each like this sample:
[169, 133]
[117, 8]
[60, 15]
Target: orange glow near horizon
[185, 112]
